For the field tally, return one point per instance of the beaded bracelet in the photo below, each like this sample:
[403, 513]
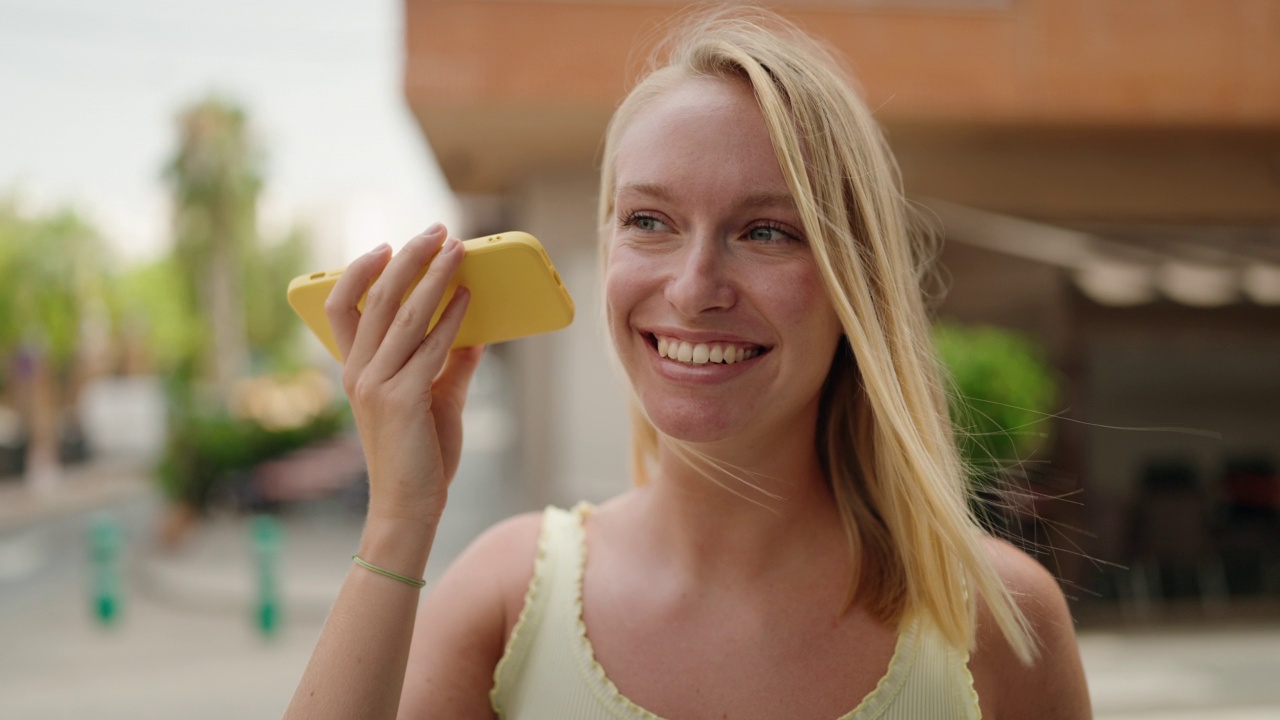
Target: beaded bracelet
[388, 573]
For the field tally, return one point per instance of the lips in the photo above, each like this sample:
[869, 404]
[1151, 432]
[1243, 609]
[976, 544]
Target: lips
[703, 353]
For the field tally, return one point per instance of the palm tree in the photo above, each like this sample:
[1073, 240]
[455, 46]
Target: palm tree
[215, 182]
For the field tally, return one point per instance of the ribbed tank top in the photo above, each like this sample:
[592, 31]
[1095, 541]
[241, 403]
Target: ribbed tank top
[549, 670]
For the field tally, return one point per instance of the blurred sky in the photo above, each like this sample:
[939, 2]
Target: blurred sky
[89, 92]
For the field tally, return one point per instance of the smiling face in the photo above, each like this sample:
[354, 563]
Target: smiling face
[716, 307]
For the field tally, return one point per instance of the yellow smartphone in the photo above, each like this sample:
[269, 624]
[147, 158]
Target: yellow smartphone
[515, 292]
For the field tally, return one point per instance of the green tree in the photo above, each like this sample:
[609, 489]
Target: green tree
[54, 274]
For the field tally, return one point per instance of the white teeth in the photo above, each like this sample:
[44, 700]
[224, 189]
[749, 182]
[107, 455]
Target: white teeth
[703, 353]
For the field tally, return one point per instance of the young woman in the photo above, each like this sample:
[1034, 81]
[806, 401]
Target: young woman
[798, 543]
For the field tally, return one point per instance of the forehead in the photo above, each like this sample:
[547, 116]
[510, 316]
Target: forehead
[703, 134]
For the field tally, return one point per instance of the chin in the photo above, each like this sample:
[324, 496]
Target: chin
[690, 421]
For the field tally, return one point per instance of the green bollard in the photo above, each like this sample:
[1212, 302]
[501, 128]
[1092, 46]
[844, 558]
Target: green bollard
[106, 540]
[266, 548]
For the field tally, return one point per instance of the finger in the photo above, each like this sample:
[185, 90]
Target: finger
[383, 299]
[459, 367]
[429, 357]
[341, 307]
[413, 319]
[448, 395]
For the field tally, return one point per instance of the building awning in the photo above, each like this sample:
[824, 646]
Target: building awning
[1194, 266]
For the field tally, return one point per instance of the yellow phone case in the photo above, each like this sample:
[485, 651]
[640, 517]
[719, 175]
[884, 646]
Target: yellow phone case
[515, 292]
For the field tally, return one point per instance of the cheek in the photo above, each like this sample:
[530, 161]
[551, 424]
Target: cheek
[798, 293]
[616, 291]
[804, 299]
[623, 290]
[630, 277]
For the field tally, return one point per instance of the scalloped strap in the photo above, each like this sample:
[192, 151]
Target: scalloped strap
[538, 675]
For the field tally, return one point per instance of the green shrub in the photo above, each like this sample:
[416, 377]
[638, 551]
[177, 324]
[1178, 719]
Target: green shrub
[1002, 397]
[207, 450]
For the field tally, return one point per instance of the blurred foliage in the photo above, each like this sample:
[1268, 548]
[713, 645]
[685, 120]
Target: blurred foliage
[1002, 396]
[272, 328]
[151, 306]
[207, 451]
[54, 272]
[54, 300]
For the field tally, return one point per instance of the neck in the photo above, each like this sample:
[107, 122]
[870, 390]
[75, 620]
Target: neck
[752, 509]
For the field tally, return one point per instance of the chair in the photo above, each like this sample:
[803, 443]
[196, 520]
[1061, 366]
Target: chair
[1171, 535]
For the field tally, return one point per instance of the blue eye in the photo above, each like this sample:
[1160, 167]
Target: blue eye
[644, 223]
[769, 234]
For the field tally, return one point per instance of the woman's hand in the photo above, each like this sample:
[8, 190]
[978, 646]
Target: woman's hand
[406, 392]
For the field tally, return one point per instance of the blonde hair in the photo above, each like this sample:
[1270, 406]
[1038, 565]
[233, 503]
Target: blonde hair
[884, 435]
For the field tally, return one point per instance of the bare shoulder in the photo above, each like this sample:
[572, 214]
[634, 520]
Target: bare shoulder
[1035, 589]
[1053, 685]
[499, 561]
[463, 623]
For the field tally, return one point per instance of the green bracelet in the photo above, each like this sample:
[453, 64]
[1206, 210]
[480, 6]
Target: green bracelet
[388, 573]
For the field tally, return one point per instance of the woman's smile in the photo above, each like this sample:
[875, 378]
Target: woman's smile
[678, 359]
[695, 352]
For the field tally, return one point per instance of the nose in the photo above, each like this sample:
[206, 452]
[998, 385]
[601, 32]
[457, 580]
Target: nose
[700, 280]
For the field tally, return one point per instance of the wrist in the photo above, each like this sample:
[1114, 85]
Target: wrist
[399, 545]
[407, 514]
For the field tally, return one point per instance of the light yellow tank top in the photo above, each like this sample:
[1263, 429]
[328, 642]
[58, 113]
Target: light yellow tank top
[549, 671]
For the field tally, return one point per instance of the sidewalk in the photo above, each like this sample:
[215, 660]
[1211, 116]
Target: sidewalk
[215, 569]
[1220, 672]
[78, 490]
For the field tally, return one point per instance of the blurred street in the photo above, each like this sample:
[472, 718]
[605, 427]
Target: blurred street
[186, 644]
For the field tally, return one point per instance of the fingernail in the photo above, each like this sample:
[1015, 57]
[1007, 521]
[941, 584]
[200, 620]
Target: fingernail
[433, 230]
[452, 245]
[379, 250]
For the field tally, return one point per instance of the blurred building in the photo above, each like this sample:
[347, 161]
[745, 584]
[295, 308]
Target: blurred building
[1107, 175]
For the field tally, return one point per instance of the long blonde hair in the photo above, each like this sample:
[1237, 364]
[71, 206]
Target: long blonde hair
[884, 435]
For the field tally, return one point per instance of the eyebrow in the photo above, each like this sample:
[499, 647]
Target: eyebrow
[762, 199]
